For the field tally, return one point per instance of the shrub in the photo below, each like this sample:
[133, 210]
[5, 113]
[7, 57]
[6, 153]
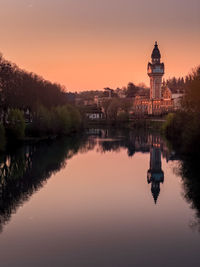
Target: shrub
[16, 124]
[122, 116]
[75, 117]
[42, 122]
[61, 120]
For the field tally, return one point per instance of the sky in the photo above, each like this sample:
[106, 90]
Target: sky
[92, 44]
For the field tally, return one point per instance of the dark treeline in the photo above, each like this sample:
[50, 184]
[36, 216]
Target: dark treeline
[27, 97]
[183, 127]
[183, 131]
[176, 84]
[129, 91]
[189, 171]
[21, 89]
[181, 84]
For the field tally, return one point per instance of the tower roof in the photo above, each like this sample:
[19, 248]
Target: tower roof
[156, 52]
[155, 190]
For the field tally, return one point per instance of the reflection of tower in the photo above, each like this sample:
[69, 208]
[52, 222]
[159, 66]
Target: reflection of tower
[155, 175]
[155, 71]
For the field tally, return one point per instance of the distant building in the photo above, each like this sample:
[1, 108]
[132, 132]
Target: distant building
[155, 71]
[161, 99]
[94, 113]
[177, 98]
[157, 100]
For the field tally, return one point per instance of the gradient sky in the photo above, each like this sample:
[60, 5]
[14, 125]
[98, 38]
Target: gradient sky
[92, 44]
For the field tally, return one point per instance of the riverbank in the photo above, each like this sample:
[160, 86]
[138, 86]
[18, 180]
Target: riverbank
[34, 137]
[144, 122]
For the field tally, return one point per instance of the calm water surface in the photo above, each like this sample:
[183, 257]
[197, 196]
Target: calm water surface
[108, 198]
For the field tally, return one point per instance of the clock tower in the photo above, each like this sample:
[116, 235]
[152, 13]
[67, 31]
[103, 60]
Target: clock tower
[155, 71]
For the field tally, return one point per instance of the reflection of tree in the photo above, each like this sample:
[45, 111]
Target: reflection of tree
[25, 171]
[190, 170]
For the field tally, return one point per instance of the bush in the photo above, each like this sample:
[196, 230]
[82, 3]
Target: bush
[16, 124]
[122, 116]
[75, 117]
[183, 130]
[42, 122]
[61, 120]
[168, 124]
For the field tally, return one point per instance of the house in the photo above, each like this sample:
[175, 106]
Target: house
[94, 113]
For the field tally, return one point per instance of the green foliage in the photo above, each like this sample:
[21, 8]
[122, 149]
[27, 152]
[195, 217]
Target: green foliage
[43, 120]
[59, 120]
[191, 101]
[75, 117]
[47, 102]
[168, 125]
[183, 128]
[117, 109]
[16, 124]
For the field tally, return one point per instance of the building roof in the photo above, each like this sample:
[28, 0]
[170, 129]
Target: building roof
[156, 52]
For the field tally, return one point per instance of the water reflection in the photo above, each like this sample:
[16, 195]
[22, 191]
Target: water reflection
[25, 171]
[155, 175]
[144, 142]
[189, 170]
[153, 143]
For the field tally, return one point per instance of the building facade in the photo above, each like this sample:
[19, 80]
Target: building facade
[160, 100]
[155, 71]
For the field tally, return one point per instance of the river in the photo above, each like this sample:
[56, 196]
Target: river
[107, 198]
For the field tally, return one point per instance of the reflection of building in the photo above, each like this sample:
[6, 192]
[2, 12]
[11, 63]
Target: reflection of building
[155, 175]
[94, 113]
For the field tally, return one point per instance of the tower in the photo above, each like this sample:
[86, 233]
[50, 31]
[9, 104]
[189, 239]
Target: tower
[155, 174]
[155, 71]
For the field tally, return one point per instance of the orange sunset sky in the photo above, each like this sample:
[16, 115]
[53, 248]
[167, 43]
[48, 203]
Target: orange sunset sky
[92, 44]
